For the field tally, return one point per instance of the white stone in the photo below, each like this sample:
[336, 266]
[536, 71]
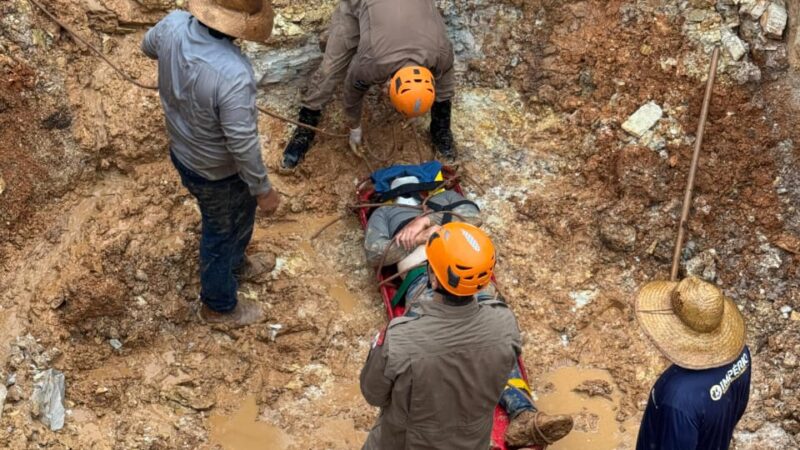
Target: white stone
[773, 21]
[643, 119]
[735, 46]
[47, 399]
[284, 65]
[754, 8]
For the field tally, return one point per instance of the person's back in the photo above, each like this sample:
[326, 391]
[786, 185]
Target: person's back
[389, 41]
[208, 92]
[696, 409]
[448, 365]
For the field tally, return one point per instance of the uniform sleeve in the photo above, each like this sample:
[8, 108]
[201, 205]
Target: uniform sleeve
[378, 237]
[677, 431]
[152, 39]
[238, 120]
[375, 386]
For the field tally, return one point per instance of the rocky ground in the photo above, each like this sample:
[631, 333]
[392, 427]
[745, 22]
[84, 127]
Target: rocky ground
[98, 240]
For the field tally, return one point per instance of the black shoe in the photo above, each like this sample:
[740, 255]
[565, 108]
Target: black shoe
[301, 141]
[441, 136]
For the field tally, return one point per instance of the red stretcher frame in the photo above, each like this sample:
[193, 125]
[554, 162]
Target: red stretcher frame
[365, 194]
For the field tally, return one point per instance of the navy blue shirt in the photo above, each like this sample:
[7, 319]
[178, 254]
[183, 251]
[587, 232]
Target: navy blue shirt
[696, 409]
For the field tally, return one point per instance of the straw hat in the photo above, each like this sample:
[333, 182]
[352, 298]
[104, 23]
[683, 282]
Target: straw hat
[250, 20]
[693, 324]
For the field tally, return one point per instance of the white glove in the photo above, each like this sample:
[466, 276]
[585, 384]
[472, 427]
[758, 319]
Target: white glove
[355, 137]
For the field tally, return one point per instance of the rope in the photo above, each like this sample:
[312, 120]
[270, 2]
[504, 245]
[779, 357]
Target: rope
[131, 80]
[91, 47]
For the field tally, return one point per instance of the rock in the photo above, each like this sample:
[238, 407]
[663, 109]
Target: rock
[794, 316]
[595, 388]
[582, 298]
[785, 311]
[770, 435]
[617, 236]
[643, 119]
[697, 15]
[2, 185]
[47, 399]
[703, 265]
[285, 64]
[14, 394]
[3, 395]
[190, 398]
[745, 72]
[735, 46]
[790, 360]
[274, 329]
[773, 21]
[140, 275]
[115, 343]
[754, 8]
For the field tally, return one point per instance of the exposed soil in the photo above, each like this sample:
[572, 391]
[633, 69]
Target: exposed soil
[98, 239]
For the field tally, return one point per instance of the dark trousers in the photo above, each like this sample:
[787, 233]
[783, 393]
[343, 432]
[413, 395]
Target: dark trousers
[228, 213]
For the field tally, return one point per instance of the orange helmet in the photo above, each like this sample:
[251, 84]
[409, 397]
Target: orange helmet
[412, 91]
[462, 258]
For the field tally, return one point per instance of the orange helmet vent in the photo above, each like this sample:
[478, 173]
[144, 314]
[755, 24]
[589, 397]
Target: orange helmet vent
[462, 258]
[412, 91]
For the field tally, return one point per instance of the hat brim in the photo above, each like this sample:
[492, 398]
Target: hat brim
[250, 27]
[682, 345]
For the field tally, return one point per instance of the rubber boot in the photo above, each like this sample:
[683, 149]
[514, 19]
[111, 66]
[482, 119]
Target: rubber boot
[301, 141]
[534, 428]
[441, 136]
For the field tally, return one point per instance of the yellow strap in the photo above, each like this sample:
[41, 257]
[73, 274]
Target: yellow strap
[519, 383]
[439, 177]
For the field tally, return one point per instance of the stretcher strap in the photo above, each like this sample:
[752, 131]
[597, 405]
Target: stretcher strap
[411, 277]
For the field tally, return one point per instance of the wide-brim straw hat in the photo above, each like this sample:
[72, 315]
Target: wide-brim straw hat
[250, 20]
[692, 323]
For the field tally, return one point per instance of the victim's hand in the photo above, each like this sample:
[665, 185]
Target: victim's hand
[407, 237]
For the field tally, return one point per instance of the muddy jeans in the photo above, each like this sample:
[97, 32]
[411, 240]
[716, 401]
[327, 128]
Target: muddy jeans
[516, 397]
[228, 214]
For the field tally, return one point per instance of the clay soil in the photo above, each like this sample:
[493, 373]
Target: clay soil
[99, 241]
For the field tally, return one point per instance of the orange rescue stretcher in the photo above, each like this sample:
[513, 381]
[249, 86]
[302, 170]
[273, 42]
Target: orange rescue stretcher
[365, 193]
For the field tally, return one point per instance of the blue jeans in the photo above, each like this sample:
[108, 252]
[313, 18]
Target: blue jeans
[228, 214]
[515, 398]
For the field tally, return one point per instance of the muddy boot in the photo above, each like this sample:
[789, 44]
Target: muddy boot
[441, 136]
[297, 148]
[255, 267]
[534, 428]
[247, 312]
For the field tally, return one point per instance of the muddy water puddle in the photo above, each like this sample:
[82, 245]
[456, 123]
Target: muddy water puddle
[344, 297]
[242, 430]
[596, 426]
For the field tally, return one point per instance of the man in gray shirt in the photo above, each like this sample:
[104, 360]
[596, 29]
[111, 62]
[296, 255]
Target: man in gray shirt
[208, 93]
